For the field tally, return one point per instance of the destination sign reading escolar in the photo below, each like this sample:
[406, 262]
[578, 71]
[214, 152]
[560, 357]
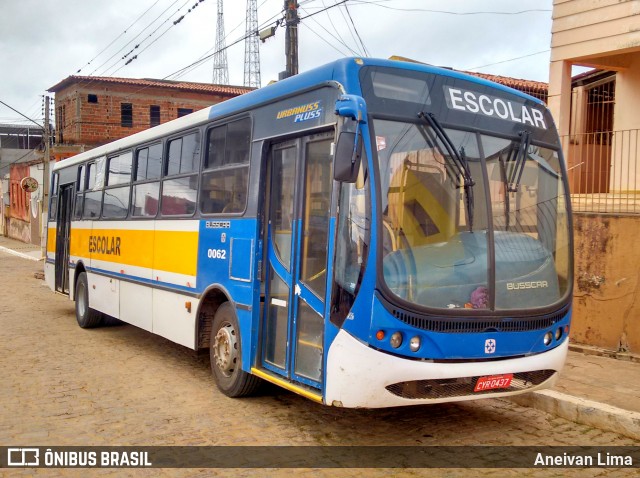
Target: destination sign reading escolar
[495, 107]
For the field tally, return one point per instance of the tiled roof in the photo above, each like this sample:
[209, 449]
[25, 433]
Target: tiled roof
[516, 83]
[223, 90]
[528, 86]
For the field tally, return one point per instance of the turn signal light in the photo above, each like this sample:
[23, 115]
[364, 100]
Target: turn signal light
[380, 335]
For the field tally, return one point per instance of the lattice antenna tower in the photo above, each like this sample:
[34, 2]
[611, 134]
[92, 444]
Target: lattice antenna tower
[220, 66]
[252, 47]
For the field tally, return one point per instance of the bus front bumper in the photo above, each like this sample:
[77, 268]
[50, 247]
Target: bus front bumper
[359, 376]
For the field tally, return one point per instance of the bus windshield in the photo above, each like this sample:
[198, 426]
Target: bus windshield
[506, 249]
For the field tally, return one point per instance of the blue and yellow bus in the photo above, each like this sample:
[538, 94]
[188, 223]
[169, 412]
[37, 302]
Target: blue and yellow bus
[370, 233]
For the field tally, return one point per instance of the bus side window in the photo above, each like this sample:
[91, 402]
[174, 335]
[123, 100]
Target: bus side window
[180, 186]
[92, 195]
[53, 208]
[146, 181]
[116, 193]
[80, 187]
[225, 179]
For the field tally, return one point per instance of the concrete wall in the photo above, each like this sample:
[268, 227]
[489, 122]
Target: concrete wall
[606, 309]
[19, 229]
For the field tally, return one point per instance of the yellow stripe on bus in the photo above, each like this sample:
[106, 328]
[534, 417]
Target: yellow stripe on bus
[170, 251]
[176, 251]
[51, 239]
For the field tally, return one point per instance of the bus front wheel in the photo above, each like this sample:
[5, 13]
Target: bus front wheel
[86, 316]
[226, 355]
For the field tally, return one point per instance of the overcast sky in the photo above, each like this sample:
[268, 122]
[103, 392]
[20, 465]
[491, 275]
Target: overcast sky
[43, 42]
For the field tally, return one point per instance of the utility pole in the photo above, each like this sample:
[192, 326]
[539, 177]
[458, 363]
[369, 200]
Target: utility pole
[220, 66]
[45, 179]
[251, 47]
[291, 38]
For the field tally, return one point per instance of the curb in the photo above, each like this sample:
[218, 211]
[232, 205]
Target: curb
[600, 352]
[19, 254]
[583, 411]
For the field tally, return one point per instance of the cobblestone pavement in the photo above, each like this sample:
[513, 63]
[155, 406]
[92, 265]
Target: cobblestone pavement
[62, 385]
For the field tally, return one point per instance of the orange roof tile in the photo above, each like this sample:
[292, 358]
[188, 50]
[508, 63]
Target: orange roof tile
[223, 90]
[516, 83]
[527, 86]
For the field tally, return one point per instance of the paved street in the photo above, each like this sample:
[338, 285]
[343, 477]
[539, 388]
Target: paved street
[62, 385]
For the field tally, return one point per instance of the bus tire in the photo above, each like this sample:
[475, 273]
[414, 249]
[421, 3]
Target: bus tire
[226, 355]
[86, 316]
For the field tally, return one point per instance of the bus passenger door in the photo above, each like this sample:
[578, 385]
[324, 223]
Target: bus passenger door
[63, 229]
[298, 209]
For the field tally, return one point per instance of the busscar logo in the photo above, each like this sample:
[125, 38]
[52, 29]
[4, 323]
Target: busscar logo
[23, 457]
[540, 284]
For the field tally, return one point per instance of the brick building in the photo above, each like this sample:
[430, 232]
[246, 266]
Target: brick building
[91, 111]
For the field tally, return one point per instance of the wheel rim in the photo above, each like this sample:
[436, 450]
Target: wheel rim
[225, 349]
[82, 300]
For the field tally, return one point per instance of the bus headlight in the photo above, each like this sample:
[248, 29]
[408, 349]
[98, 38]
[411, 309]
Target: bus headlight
[414, 344]
[558, 333]
[396, 340]
[547, 338]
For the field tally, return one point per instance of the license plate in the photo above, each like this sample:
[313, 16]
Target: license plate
[492, 382]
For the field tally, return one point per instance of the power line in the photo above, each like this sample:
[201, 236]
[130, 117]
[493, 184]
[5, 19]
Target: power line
[206, 56]
[447, 12]
[203, 59]
[119, 36]
[337, 38]
[325, 40]
[353, 37]
[134, 38]
[507, 61]
[21, 157]
[21, 114]
[175, 22]
[324, 9]
[364, 48]
[225, 38]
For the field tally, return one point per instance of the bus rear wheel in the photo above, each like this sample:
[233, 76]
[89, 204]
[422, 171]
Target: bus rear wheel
[226, 355]
[86, 316]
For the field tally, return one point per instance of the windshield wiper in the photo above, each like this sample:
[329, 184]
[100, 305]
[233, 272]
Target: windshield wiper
[468, 188]
[458, 166]
[519, 157]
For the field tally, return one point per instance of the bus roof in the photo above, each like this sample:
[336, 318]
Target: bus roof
[343, 71]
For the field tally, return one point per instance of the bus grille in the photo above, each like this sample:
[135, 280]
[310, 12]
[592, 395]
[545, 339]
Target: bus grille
[461, 387]
[465, 325]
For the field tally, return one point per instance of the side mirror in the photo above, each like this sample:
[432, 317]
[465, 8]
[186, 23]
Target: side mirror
[348, 152]
[347, 156]
[352, 106]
